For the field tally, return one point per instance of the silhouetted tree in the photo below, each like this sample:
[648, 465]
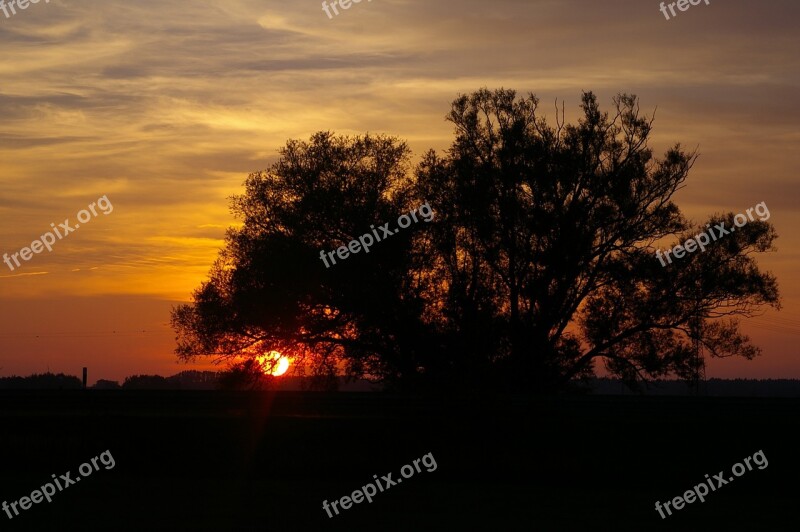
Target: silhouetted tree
[546, 235]
[269, 290]
[41, 381]
[195, 380]
[540, 260]
[148, 382]
[104, 384]
[245, 375]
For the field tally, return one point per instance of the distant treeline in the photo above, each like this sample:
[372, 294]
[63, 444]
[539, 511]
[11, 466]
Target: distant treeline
[191, 380]
[231, 380]
[212, 380]
[185, 380]
[41, 381]
[711, 387]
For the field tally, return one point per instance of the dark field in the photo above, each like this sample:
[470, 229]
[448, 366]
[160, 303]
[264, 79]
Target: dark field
[266, 461]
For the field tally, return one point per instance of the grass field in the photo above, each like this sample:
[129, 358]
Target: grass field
[266, 461]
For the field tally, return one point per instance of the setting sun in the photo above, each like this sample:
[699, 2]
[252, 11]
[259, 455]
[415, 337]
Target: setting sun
[274, 363]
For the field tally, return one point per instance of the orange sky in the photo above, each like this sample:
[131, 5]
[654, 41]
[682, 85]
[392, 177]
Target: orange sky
[165, 107]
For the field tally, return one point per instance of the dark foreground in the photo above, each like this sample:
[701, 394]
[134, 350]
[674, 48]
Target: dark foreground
[259, 461]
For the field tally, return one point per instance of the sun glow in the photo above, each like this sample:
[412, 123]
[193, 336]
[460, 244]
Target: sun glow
[273, 363]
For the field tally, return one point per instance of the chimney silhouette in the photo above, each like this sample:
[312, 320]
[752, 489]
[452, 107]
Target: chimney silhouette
[84, 378]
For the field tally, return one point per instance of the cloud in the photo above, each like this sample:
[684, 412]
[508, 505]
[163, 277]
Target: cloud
[166, 107]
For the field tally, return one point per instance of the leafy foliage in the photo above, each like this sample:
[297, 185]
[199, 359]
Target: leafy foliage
[539, 262]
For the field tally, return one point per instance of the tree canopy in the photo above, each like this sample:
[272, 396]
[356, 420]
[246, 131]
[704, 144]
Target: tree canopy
[539, 262]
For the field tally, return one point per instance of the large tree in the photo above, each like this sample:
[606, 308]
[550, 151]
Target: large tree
[269, 290]
[540, 260]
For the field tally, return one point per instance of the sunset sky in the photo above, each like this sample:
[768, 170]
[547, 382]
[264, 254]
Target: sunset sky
[165, 107]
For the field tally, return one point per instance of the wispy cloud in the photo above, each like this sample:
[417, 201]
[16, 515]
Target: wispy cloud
[166, 107]
[22, 275]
